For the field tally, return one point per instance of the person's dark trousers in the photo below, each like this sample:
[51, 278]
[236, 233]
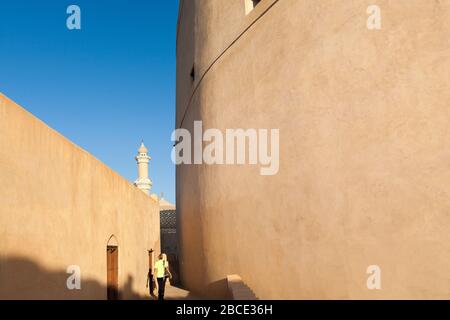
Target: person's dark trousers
[161, 288]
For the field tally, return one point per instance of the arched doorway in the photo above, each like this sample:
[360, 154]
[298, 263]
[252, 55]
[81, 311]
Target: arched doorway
[112, 268]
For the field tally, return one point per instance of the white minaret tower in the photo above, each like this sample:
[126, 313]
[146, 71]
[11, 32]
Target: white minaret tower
[143, 182]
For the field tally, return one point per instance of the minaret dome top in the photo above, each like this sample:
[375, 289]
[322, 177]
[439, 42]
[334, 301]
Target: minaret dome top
[143, 148]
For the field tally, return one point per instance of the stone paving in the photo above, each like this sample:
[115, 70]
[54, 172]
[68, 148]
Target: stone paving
[175, 293]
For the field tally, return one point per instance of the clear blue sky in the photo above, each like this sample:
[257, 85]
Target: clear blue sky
[106, 86]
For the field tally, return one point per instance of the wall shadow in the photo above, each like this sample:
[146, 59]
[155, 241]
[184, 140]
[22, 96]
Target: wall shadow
[218, 289]
[23, 279]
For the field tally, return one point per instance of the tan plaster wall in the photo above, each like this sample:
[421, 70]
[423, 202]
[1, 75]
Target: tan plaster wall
[58, 207]
[364, 173]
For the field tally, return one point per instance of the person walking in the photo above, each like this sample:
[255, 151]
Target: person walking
[162, 273]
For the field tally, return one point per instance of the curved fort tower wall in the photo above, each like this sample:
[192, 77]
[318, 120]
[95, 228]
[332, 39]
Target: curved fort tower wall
[364, 174]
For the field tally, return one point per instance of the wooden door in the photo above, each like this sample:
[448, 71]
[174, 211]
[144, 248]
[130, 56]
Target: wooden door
[112, 272]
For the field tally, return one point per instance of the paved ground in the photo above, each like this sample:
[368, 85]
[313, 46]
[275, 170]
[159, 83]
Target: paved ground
[174, 293]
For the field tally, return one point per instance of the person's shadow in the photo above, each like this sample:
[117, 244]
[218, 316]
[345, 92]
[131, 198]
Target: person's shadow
[153, 288]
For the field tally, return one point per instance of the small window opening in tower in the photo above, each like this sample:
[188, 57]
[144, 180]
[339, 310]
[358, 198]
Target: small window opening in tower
[250, 5]
[193, 73]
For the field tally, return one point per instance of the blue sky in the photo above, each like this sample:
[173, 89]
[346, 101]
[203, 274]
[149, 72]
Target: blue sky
[106, 86]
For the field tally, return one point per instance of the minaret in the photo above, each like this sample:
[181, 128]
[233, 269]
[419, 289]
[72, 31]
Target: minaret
[143, 182]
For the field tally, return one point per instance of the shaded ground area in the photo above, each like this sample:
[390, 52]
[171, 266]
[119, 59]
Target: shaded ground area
[175, 293]
[24, 279]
